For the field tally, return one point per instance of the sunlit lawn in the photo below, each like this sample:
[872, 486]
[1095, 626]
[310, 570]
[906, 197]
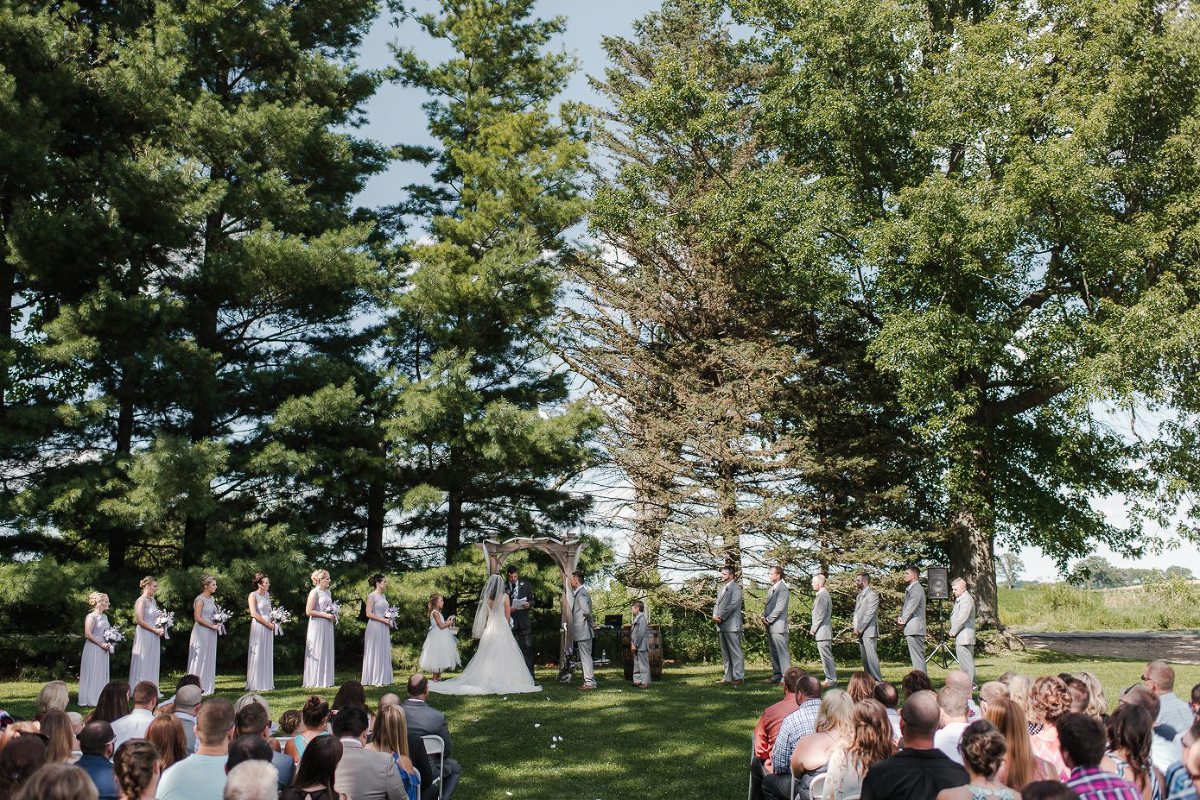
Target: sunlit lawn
[684, 738]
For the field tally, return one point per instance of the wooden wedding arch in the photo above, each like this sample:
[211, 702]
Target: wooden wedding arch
[565, 553]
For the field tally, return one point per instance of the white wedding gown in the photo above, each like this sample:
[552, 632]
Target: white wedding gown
[497, 667]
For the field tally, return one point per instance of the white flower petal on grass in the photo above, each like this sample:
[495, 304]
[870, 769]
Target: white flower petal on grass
[553, 746]
[508, 794]
[537, 724]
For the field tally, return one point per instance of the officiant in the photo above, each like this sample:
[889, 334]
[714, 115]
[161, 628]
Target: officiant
[520, 596]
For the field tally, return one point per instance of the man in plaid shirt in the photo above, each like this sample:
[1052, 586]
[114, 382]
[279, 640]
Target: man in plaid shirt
[1082, 740]
[801, 722]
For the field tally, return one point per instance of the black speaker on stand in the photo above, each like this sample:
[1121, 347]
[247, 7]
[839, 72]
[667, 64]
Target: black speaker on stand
[938, 590]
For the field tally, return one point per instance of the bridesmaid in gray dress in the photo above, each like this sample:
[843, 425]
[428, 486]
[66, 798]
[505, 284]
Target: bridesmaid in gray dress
[377, 653]
[93, 669]
[147, 644]
[202, 650]
[318, 644]
[260, 665]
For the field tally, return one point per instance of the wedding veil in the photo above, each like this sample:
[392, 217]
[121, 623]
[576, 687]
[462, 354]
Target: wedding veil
[493, 589]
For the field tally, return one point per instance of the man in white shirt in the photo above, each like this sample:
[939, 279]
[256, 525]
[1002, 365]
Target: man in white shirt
[1159, 677]
[202, 776]
[953, 702]
[134, 724]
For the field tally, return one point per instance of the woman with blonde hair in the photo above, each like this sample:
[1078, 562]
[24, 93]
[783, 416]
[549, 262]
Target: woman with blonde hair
[318, 642]
[137, 768]
[202, 649]
[147, 641]
[870, 743]
[1018, 691]
[166, 734]
[835, 730]
[1021, 767]
[1097, 703]
[1049, 699]
[58, 782]
[391, 736]
[53, 697]
[94, 666]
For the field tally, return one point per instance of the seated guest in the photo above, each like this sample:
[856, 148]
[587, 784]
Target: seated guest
[187, 703]
[166, 734]
[1159, 677]
[289, 721]
[423, 720]
[1097, 702]
[870, 742]
[1128, 753]
[1021, 766]
[252, 720]
[1048, 790]
[391, 737]
[133, 725]
[1178, 780]
[1082, 741]
[860, 687]
[19, 759]
[1019, 687]
[314, 722]
[250, 747]
[886, 694]
[1195, 704]
[53, 697]
[363, 774]
[800, 722]
[202, 776]
[1049, 699]
[812, 753]
[247, 699]
[990, 692]
[953, 704]
[919, 771]
[137, 768]
[186, 680]
[317, 772]
[97, 743]
[60, 742]
[983, 748]
[1164, 749]
[1080, 697]
[58, 782]
[962, 681]
[915, 681]
[768, 726]
[252, 780]
[112, 704]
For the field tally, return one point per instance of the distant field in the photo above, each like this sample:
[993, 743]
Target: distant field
[1170, 605]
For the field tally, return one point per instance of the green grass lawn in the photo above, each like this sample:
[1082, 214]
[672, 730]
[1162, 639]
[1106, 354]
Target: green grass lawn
[684, 738]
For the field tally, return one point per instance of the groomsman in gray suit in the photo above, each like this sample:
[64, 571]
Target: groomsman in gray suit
[727, 613]
[822, 629]
[775, 620]
[639, 638]
[866, 625]
[962, 627]
[912, 618]
[583, 629]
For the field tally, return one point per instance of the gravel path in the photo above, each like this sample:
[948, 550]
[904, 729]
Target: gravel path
[1179, 646]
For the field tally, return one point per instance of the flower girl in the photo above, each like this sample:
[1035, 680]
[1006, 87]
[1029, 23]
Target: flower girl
[441, 647]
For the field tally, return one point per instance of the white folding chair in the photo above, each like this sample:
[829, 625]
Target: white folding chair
[816, 789]
[436, 746]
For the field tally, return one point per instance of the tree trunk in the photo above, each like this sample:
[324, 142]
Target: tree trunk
[972, 536]
[454, 520]
[645, 546]
[731, 540]
[117, 534]
[376, 498]
[8, 282]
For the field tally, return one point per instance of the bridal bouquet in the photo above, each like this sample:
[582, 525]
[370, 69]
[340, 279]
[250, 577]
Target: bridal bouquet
[335, 609]
[113, 636]
[279, 616]
[220, 617]
[391, 614]
[164, 620]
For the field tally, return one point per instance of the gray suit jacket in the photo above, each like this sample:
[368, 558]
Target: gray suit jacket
[424, 720]
[729, 607]
[581, 615]
[866, 613]
[962, 619]
[367, 774]
[776, 610]
[822, 616]
[912, 613]
[639, 633]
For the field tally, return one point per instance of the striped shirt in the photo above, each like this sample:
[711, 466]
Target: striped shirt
[1091, 783]
[801, 722]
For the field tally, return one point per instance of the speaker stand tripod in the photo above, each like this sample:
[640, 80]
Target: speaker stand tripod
[943, 649]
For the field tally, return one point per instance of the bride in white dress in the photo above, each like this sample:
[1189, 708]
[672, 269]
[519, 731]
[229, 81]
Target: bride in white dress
[498, 666]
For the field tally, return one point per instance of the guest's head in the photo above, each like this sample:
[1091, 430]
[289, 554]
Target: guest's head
[97, 739]
[60, 742]
[351, 693]
[1081, 739]
[59, 782]
[886, 694]
[1080, 697]
[1159, 677]
[959, 680]
[351, 722]
[76, 722]
[990, 692]
[289, 721]
[113, 702]
[253, 720]
[251, 747]
[391, 730]
[1048, 790]
[1009, 718]
[252, 780]
[166, 733]
[872, 739]
[809, 688]
[982, 748]
[187, 680]
[919, 720]
[53, 697]
[860, 687]
[188, 699]
[251, 697]
[315, 713]
[1141, 696]
[136, 767]
[319, 763]
[214, 724]
[791, 679]
[145, 695]
[418, 686]
[1129, 733]
[23, 756]
[915, 681]
[835, 714]
[1018, 690]
[1195, 704]
[1049, 699]
[389, 699]
[953, 704]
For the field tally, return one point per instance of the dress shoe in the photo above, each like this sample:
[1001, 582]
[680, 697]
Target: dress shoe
[642, 685]
[586, 688]
[738, 683]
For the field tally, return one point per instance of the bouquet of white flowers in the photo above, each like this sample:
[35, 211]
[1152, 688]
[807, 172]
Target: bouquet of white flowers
[335, 609]
[391, 614]
[279, 616]
[164, 620]
[220, 617]
[113, 636]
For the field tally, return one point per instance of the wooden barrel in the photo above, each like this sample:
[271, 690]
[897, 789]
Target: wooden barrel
[656, 652]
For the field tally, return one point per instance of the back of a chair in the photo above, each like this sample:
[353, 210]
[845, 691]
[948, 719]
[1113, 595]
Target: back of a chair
[436, 746]
[816, 789]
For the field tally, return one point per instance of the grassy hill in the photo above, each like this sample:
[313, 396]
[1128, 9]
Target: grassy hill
[1169, 605]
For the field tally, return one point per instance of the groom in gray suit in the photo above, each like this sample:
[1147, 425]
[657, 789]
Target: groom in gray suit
[775, 620]
[962, 627]
[822, 629]
[583, 629]
[866, 625]
[912, 617]
[727, 613]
